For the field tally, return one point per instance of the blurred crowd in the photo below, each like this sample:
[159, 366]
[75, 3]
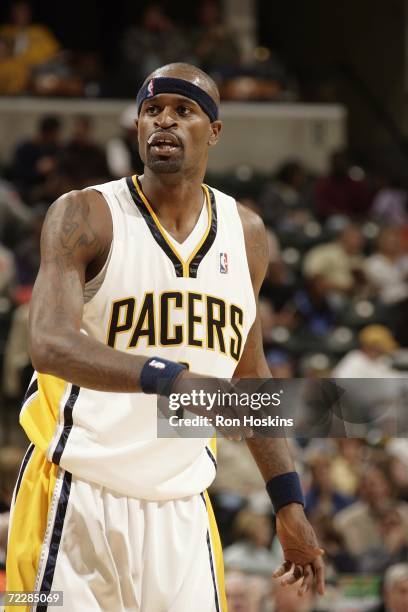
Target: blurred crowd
[33, 61]
[336, 293]
[357, 501]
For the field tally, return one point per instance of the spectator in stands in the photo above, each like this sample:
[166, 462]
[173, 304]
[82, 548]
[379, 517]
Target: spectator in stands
[155, 41]
[397, 448]
[390, 204]
[27, 251]
[15, 216]
[236, 474]
[236, 481]
[10, 461]
[267, 319]
[237, 591]
[285, 195]
[25, 46]
[339, 193]
[36, 159]
[338, 559]
[364, 524]
[17, 368]
[322, 498]
[314, 313]
[315, 365]
[393, 528]
[387, 271]
[346, 465]
[215, 45]
[279, 287]
[280, 364]
[7, 272]
[371, 359]
[85, 159]
[286, 599]
[339, 263]
[395, 590]
[251, 552]
[243, 592]
[387, 267]
[122, 152]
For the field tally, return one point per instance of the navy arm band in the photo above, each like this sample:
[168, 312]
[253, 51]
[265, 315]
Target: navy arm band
[158, 375]
[285, 489]
[158, 85]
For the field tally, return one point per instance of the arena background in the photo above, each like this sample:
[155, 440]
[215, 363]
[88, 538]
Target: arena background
[315, 140]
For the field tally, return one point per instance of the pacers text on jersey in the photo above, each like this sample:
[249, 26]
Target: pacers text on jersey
[156, 322]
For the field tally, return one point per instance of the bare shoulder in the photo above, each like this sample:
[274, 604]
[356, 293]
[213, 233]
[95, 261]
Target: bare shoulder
[256, 243]
[78, 224]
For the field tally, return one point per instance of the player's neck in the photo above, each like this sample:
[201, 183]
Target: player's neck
[170, 194]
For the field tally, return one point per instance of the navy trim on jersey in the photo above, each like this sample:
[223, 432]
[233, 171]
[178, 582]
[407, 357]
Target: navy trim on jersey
[217, 605]
[154, 230]
[68, 422]
[26, 459]
[211, 456]
[55, 538]
[33, 388]
[208, 242]
[161, 241]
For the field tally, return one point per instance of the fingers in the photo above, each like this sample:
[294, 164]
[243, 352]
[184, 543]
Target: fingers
[293, 576]
[285, 567]
[307, 582]
[318, 567]
[289, 573]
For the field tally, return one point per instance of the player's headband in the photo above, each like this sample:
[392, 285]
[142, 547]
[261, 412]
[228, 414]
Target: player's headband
[160, 85]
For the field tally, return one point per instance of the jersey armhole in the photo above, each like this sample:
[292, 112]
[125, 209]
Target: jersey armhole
[93, 286]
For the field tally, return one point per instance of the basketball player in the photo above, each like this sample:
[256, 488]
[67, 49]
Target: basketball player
[138, 275]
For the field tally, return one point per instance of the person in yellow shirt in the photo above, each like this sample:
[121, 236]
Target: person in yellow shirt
[23, 46]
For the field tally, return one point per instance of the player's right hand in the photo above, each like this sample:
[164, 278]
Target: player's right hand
[187, 382]
[303, 555]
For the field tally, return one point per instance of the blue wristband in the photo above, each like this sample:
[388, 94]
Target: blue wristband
[158, 375]
[285, 489]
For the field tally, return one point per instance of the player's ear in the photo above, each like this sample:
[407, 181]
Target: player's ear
[214, 134]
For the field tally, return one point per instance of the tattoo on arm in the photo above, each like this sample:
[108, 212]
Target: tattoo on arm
[69, 242]
[76, 230]
[66, 235]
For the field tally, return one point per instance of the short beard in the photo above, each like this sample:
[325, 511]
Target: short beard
[164, 165]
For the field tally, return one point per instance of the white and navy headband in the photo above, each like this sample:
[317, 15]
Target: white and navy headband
[160, 85]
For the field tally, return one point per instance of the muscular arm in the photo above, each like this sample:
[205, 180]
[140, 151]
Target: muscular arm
[271, 454]
[76, 234]
[298, 540]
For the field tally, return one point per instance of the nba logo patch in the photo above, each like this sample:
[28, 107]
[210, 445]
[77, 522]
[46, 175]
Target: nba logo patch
[150, 88]
[223, 263]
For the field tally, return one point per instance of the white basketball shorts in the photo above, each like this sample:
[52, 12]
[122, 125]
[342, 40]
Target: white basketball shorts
[110, 553]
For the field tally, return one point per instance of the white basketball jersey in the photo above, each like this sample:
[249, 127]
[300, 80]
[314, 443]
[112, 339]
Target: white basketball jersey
[150, 300]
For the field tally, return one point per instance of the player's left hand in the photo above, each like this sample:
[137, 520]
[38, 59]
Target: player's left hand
[303, 556]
